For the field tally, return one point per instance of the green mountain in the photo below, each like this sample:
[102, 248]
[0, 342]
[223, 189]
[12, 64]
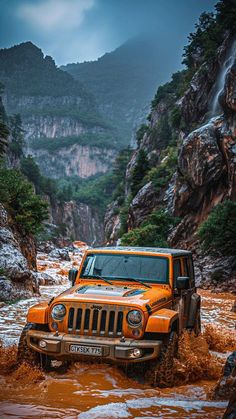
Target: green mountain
[26, 72]
[123, 82]
[64, 130]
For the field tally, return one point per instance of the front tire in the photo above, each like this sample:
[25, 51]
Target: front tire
[161, 372]
[26, 354]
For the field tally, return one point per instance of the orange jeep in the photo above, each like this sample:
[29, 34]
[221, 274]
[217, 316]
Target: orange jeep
[125, 305]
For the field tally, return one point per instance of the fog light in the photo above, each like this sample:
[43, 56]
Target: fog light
[54, 326]
[136, 332]
[42, 344]
[136, 353]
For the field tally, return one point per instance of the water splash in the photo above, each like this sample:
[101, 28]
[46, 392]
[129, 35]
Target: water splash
[229, 60]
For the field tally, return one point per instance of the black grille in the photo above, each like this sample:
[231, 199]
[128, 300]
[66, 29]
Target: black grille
[95, 322]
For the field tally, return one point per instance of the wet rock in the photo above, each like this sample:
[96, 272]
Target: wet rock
[45, 279]
[196, 100]
[226, 387]
[112, 223]
[18, 279]
[10, 291]
[78, 220]
[45, 247]
[227, 99]
[146, 200]
[61, 254]
[218, 273]
[230, 412]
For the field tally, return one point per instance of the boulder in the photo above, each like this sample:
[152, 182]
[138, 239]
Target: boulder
[44, 279]
[226, 386]
[216, 272]
[146, 200]
[17, 280]
[61, 254]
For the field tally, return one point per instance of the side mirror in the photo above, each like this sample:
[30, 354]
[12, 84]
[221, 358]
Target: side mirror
[182, 283]
[72, 276]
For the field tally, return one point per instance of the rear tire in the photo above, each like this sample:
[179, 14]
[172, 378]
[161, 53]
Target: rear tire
[161, 372]
[197, 324]
[26, 354]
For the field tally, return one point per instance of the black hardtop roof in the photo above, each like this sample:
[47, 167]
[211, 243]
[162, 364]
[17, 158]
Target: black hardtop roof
[173, 252]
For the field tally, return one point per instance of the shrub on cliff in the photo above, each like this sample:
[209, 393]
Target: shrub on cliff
[17, 195]
[152, 232]
[218, 233]
[43, 185]
[140, 170]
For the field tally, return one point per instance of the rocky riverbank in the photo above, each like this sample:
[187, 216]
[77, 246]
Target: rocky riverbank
[22, 268]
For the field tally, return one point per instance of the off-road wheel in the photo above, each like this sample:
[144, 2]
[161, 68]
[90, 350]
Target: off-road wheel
[161, 372]
[26, 354]
[197, 323]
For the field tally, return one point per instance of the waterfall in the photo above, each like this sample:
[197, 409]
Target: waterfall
[229, 60]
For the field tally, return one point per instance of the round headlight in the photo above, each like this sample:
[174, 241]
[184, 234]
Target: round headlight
[58, 312]
[134, 318]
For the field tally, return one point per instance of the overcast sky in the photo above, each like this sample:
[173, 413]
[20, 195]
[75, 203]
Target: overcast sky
[79, 30]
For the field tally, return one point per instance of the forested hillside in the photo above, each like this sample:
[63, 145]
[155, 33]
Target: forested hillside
[60, 118]
[123, 82]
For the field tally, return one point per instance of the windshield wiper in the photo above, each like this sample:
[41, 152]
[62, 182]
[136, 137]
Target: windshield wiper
[135, 280]
[98, 277]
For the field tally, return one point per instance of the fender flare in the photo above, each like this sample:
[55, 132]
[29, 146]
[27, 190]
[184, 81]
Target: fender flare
[161, 321]
[38, 314]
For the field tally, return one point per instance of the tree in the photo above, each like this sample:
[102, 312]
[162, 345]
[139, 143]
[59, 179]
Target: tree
[17, 139]
[152, 232]
[218, 233]
[4, 131]
[31, 170]
[118, 173]
[140, 170]
[17, 195]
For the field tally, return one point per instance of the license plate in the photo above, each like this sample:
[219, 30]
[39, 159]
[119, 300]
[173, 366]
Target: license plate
[86, 350]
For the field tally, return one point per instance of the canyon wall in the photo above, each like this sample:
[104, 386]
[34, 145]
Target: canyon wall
[205, 169]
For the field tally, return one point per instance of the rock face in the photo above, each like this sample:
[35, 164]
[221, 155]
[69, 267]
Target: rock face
[112, 223]
[206, 168]
[54, 107]
[143, 203]
[17, 280]
[79, 221]
[199, 97]
[76, 160]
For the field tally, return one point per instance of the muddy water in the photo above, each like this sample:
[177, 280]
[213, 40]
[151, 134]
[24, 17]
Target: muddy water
[98, 390]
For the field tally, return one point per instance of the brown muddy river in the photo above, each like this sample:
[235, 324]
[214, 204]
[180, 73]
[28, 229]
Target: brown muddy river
[88, 391]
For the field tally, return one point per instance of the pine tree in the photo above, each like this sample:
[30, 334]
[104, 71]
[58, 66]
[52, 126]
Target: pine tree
[140, 170]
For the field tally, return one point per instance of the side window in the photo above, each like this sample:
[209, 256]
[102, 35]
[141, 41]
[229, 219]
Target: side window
[191, 271]
[177, 270]
[186, 268]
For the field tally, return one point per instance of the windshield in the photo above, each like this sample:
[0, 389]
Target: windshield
[126, 266]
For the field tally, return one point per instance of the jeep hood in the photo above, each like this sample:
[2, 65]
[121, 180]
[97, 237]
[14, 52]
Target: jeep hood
[116, 294]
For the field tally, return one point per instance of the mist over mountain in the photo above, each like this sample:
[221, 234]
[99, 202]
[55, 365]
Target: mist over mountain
[124, 81]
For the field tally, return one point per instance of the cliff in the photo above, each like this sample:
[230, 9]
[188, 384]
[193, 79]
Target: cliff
[74, 160]
[56, 112]
[78, 221]
[187, 187]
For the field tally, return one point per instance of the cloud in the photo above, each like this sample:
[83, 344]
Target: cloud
[51, 15]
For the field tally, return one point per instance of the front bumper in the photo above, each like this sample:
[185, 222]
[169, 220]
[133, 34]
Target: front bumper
[114, 349]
